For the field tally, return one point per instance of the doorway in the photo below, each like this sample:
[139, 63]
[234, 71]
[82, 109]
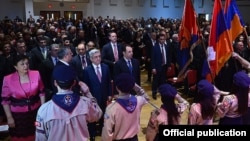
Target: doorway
[76, 15]
[50, 14]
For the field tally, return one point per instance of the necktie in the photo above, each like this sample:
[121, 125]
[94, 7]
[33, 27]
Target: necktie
[44, 53]
[83, 61]
[130, 66]
[56, 60]
[116, 53]
[163, 55]
[98, 74]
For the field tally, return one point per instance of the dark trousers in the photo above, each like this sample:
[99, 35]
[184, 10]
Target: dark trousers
[231, 121]
[158, 79]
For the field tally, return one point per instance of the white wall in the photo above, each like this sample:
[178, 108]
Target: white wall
[120, 10]
[103, 8]
[95, 8]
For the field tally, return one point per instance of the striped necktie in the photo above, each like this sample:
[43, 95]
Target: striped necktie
[83, 61]
[98, 73]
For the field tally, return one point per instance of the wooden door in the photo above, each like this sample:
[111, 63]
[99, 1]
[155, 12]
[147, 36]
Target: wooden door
[50, 14]
[76, 15]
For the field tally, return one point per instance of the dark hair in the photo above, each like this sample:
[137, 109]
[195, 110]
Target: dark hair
[159, 35]
[18, 58]
[124, 47]
[111, 33]
[242, 95]
[207, 105]
[65, 85]
[170, 106]
[19, 41]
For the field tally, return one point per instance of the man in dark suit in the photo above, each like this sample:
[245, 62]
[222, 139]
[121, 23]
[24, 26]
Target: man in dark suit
[128, 64]
[149, 39]
[20, 48]
[81, 60]
[111, 52]
[65, 56]
[97, 77]
[47, 69]
[161, 60]
[39, 53]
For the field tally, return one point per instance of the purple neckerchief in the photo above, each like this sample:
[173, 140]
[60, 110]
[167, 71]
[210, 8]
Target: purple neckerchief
[67, 102]
[128, 103]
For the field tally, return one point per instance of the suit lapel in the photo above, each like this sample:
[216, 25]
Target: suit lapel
[125, 65]
[95, 75]
[103, 72]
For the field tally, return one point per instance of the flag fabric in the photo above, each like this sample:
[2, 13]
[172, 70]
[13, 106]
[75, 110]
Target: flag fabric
[234, 20]
[188, 35]
[220, 44]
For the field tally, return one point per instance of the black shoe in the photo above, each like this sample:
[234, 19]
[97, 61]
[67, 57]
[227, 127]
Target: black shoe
[92, 138]
[154, 97]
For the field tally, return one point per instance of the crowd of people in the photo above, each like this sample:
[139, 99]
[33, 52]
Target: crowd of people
[80, 79]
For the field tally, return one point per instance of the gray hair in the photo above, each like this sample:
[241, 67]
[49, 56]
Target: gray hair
[93, 51]
[63, 51]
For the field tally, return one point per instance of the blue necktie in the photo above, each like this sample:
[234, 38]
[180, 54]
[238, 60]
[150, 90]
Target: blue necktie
[56, 60]
[130, 67]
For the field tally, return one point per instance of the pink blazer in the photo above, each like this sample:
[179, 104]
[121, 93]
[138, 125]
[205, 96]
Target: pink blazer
[12, 89]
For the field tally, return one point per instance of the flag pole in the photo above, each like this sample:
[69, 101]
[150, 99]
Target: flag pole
[181, 74]
[205, 50]
[204, 47]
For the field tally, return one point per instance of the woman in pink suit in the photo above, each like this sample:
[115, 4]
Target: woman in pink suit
[22, 95]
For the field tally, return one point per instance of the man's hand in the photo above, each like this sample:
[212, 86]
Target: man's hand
[84, 87]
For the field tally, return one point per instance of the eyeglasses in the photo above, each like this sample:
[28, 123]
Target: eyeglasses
[43, 42]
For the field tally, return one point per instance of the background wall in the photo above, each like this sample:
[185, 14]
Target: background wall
[119, 8]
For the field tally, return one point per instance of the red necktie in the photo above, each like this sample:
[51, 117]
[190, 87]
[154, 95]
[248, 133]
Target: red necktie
[116, 53]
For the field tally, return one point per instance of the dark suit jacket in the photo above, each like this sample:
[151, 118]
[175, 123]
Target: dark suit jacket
[46, 70]
[108, 55]
[157, 57]
[122, 67]
[100, 90]
[77, 64]
[37, 57]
